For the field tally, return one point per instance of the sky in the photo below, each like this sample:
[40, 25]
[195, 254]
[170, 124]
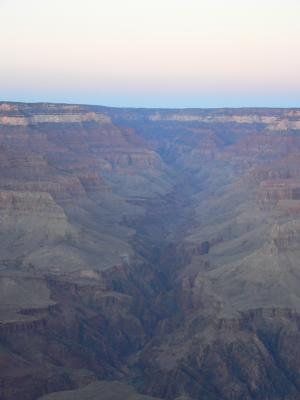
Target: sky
[151, 53]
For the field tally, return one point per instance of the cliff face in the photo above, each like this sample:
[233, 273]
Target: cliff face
[156, 247]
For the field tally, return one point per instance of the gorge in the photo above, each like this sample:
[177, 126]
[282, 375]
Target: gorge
[149, 253]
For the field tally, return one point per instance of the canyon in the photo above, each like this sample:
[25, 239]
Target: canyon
[149, 253]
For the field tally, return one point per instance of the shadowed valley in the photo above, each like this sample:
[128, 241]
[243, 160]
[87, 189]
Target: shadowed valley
[156, 248]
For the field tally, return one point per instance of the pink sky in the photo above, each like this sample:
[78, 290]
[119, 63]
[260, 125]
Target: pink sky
[76, 50]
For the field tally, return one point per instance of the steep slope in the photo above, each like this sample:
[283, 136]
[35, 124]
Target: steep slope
[155, 247]
[110, 390]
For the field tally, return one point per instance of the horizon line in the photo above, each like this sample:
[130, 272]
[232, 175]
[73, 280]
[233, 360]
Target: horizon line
[151, 107]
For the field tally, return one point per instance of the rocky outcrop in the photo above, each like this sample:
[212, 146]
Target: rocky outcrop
[29, 202]
[54, 119]
[13, 327]
[219, 119]
[113, 390]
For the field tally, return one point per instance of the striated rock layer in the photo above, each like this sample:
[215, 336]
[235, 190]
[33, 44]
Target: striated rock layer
[156, 248]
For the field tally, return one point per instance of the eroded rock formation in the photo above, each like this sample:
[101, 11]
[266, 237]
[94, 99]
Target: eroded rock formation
[159, 248]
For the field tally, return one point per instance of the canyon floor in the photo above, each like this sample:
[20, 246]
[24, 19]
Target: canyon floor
[149, 254]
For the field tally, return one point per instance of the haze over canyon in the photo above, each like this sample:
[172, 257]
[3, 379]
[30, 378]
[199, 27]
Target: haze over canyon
[149, 253]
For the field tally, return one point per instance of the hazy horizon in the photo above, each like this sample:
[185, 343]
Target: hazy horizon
[145, 107]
